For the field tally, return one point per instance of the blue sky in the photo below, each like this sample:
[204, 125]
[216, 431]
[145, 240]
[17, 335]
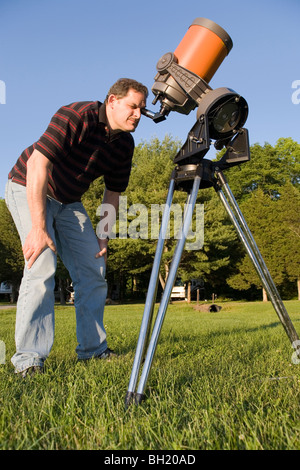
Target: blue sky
[59, 51]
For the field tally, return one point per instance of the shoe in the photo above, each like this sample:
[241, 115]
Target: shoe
[107, 354]
[30, 371]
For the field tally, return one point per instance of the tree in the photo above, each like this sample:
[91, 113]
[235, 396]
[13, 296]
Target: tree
[269, 173]
[269, 169]
[288, 237]
[288, 154]
[11, 255]
[215, 261]
[275, 227]
[258, 186]
[149, 183]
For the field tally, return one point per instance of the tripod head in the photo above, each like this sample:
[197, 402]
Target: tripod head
[182, 84]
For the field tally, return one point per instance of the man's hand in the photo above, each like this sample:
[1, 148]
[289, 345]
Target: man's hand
[36, 242]
[110, 204]
[103, 242]
[38, 238]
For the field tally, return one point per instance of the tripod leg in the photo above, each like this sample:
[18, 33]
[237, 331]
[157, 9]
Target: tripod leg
[168, 288]
[150, 299]
[248, 241]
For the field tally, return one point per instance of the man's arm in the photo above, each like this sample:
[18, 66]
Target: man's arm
[107, 220]
[37, 180]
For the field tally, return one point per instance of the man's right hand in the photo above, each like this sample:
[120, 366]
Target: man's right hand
[38, 238]
[35, 243]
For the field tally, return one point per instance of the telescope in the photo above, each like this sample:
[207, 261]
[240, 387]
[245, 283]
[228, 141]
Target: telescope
[182, 84]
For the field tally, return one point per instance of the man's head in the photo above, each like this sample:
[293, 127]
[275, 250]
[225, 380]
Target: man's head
[124, 102]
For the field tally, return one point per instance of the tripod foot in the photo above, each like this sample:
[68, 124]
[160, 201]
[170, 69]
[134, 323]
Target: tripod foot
[139, 397]
[132, 397]
[129, 399]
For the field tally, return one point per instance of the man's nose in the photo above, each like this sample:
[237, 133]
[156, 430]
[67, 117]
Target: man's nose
[137, 113]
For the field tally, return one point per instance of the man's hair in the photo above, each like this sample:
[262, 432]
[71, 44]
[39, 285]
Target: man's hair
[122, 86]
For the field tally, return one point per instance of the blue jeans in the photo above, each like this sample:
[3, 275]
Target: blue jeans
[71, 230]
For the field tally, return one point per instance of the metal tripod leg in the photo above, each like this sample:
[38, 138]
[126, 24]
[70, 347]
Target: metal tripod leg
[168, 288]
[248, 241]
[151, 296]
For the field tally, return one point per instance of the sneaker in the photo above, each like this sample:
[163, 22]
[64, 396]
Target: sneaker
[30, 371]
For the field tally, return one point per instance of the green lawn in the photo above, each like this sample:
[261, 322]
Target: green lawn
[219, 381]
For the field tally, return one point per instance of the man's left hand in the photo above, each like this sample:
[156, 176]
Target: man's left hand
[103, 242]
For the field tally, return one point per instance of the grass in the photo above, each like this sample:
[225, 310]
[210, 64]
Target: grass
[218, 381]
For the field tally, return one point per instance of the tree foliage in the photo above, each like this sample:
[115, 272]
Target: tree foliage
[269, 169]
[267, 190]
[11, 255]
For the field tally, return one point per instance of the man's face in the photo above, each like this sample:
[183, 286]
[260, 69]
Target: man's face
[124, 113]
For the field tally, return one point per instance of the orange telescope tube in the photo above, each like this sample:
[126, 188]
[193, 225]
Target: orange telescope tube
[203, 48]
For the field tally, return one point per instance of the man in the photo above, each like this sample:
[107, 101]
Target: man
[83, 141]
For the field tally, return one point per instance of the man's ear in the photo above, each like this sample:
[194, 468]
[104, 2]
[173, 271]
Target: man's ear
[111, 100]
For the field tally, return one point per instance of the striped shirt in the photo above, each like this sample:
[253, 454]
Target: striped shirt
[81, 147]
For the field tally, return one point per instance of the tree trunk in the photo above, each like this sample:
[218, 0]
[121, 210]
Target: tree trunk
[162, 281]
[14, 294]
[189, 293]
[265, 297]
[61, 292]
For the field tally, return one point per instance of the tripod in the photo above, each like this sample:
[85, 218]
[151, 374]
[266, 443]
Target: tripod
[192, 173]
